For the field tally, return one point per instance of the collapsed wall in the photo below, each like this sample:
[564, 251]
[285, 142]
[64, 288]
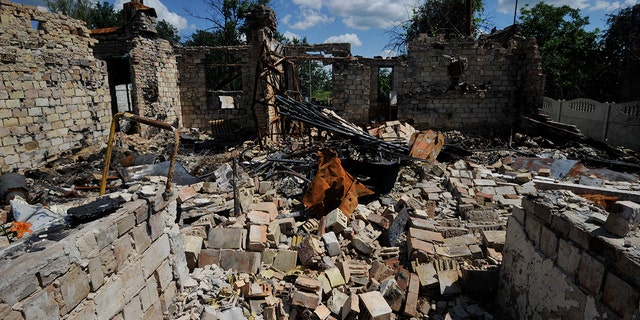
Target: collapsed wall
[470, 84]
[54, 95]
[127, 265]
[561, 263]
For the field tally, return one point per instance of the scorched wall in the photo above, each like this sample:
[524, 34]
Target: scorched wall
[54, 95]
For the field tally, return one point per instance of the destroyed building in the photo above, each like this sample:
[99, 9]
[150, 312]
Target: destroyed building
[326, 220]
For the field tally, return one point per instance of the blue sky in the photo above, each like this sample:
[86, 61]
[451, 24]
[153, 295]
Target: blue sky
[363, 23]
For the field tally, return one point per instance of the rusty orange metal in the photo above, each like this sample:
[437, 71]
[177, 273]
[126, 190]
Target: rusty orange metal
[426, 145]
[600, 200]
[333, 187]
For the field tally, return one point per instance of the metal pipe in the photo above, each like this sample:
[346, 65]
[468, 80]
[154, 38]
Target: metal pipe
[147, 121]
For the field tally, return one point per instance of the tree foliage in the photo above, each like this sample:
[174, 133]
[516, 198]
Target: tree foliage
[168, 32]
[621, 57]
[227, 19]
[568, 51]
[434, 17]
[97, 15]
[103, 15]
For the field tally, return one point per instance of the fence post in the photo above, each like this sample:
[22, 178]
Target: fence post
[559, 111]
[606, 122]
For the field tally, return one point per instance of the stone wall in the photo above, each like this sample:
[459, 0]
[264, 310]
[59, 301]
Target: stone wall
[560, 264]
[128, 265]
[54, 95]
[461, 83]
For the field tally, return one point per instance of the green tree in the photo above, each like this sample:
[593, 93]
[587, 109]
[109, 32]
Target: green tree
[620, 45]
[103, 15]
[569, 52]
[77, 9]
[168, 32]
[201, 38]
[434, 17]
[227, 19]
[314, 79]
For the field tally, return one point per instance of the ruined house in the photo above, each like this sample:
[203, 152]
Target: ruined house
[61, 84]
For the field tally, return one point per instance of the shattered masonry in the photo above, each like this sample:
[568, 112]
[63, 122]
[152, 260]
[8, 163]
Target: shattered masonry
[235, 237]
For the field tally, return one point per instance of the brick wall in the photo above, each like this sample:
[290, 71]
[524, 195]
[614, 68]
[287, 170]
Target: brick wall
[462, 83]
[351, 86]
[559, 264]
[199, 106]
[54, 95]
[154, 73]
[128, 265]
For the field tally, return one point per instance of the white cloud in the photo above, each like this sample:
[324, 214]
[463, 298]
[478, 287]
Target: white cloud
[367, 14]
[388, 53]
[291, 36]
[345, 38]
[611, 6]
[507, 6]
[163, 12]
[309, 18]
[311, 4]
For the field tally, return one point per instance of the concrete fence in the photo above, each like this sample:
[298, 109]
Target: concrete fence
[615, 123]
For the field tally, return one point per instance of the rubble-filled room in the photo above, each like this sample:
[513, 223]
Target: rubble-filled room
[142, 178]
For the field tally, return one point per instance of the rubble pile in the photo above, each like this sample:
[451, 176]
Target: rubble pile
[258, 247]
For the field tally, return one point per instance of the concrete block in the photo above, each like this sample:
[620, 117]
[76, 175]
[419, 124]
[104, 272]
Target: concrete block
[379, 220]
[351, 308]
[336, 301]
[87, 245]
[310, 251]
[155, 312]
[620, 296]
[109, 299]
[74, 287]
[363, 244]
[241, 261]
[133, 309]
[591, 273]
[331, 243]
[624, 216]
[561, 224]
[374, 306]
[494, 239]
[122, 250]
[548, 242]
[532, 226]
[96, 276]
[125, 224]
[156, 225]
[412, 296]
[259, 217]
[257, 237]
[568, 257]
[149, 294]
[227, 238]
[42, 305]
[336, 221]
[155, 255]
[426, 235]
[108, 261]
[208, 257]
[285, 260]
[163, 275]
[305, 299]
[192, 247]
[141, 237]
[268, 207]
[334, 276]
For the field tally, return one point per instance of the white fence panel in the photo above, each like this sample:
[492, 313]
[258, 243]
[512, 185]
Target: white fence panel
[588, 115]
[624, 125]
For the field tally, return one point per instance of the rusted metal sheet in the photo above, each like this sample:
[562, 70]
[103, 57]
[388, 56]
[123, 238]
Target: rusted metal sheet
[333, 187]
[426, 145]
